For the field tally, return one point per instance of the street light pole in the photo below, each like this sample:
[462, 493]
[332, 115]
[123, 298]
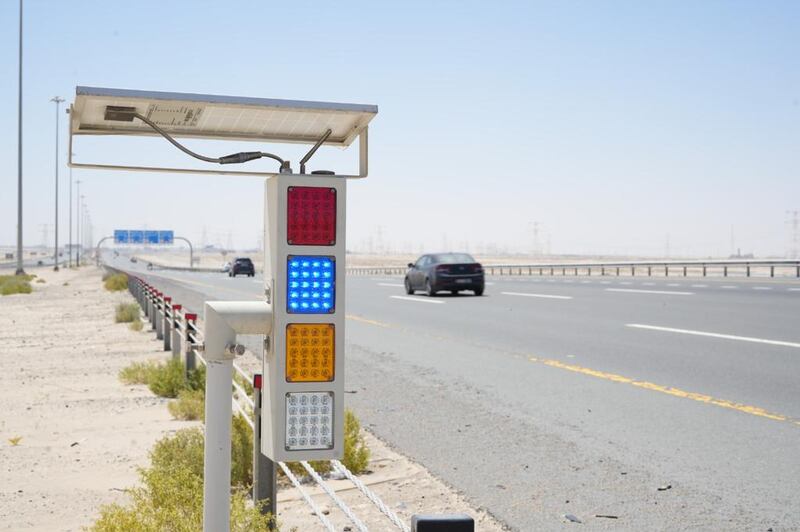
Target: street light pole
[70, 215]
[78, 226]
[19, 271]
[57, 100]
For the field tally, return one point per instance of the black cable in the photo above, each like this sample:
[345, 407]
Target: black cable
[235, 158]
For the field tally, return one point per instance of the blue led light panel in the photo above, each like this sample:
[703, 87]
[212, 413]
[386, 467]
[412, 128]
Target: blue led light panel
[311, 284]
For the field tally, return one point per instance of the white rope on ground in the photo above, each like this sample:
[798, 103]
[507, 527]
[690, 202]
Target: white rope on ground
[369, 494]
[305, 495]
[339, 502]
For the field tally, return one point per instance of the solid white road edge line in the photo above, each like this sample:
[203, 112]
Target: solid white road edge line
[714, 335]
[637, 291]
[545, 296]
[391, 284]
[417, 299]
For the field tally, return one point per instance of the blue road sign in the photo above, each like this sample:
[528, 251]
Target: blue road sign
[166, 237]
[136, 237]
[121, 236]
[151, 237]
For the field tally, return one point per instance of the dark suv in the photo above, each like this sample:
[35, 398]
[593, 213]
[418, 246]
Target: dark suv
[242, 265]
[445, 271]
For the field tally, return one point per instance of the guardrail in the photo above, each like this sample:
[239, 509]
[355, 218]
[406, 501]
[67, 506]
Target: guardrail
[181, 335]
[159, 266]
[683, 268]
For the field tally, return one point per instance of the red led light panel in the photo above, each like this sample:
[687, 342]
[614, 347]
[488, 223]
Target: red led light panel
[311, 216]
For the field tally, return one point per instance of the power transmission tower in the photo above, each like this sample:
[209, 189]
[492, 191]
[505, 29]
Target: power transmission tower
[537, 248]
[794, 222]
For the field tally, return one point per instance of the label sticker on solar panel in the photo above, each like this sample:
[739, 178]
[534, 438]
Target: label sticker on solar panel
[310, 352]
[309, 421]
[311, 284]
[311, 216]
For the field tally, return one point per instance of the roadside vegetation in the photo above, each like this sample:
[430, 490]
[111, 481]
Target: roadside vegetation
[15, 284]
[126, 313]
[171, 493]
[115, 282]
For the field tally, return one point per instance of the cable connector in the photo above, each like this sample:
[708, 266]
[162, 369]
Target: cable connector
[241, 157]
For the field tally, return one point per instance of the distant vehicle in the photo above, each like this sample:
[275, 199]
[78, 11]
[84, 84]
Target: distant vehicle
[133, 259]
[242, 265]
[226, 267]
[149, 265]
[40, 263]
[445, 271]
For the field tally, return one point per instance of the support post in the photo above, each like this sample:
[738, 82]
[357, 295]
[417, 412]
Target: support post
[167, 322]
[748, 270]
[649, 271]
[159, 316]
[176, 332]
[191, 362]
[666, 271]
[684, 271]
[265, 478]
[704, 270]
[724, 271]
[223, 320]
[772, 271]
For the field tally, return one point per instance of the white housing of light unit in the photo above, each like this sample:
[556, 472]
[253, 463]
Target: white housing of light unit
[290, 431]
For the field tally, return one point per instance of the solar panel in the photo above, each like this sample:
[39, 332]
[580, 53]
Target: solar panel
[206, 116]
[220, 117]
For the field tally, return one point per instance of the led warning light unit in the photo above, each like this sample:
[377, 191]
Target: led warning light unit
[310, 352]
[309, 421]
[310, 284]
[311, 216]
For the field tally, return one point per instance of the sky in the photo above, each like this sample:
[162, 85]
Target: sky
[622, 128]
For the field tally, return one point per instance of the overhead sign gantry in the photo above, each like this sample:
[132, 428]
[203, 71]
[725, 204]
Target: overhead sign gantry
[302, 316]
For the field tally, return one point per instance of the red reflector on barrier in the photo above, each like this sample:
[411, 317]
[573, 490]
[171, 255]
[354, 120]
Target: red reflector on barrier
[257, 381]
[167, 299]
[311, 216]
[177, 307]
[190, 317]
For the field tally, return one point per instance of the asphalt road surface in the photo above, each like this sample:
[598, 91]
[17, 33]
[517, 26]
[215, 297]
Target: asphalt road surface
[654, 404]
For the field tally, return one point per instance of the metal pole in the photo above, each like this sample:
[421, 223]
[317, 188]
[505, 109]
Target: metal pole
[265, 478]
[176, 332]
[166, 333]
[70, 217]
[191, 361]
[19, 271]
[78, 225]
[57, 100]
[217, 456]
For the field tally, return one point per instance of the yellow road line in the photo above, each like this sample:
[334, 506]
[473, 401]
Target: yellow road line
[365, 320]
[668, 390]
[676, 392]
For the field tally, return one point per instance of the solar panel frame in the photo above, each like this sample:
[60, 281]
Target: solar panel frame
[207, 116]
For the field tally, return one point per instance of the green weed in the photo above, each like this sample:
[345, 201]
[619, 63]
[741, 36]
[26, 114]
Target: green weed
[189, 406]
[15, 284]
[126, 312]
[115, 282]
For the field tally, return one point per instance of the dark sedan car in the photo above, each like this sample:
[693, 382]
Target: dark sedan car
[242, 266]
[445, 271]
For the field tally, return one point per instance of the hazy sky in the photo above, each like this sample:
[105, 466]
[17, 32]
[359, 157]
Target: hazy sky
[615, 125]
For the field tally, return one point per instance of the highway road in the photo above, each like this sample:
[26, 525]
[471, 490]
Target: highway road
[647, 403]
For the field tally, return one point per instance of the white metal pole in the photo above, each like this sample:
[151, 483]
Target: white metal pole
[217, 462]
[57, 101]
[20, 270]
